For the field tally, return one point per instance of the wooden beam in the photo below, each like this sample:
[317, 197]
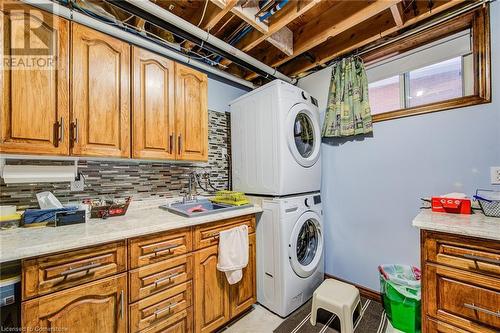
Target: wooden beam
[288, 14]
[398, 14]
[214, 17]
[327, 54]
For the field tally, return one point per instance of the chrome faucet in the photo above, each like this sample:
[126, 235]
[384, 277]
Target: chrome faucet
[191, 195]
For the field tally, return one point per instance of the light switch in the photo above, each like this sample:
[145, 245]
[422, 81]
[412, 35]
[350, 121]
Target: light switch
[495, 175]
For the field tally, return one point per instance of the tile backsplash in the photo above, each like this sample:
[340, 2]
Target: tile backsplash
[139, 179]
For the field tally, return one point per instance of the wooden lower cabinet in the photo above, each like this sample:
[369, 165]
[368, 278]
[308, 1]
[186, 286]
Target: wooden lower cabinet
[460, 284]
[98, 306]
[217, 302]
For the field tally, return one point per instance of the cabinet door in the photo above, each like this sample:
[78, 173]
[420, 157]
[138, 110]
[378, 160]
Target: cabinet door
[244, 293]
[34, 113]
[191, 113]
[93, 307]
[101, 94]
[153, 132]
[211, 292]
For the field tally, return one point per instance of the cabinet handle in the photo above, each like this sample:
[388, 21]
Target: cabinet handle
[478, 258]
[61, 131]
[121, 304]
[75, 131]
[57, 133]
[169, 277]
[165, 248]
[179, 143]
[81, 269]
[479, 309]
[170, 143]
[167, 308]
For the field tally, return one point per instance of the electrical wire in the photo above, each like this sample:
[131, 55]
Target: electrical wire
[203, 14]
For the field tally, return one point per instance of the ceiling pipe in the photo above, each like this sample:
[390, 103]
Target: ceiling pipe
[159, 16]
[106, 28]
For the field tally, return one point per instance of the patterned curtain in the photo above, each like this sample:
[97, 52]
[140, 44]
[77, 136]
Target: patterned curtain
[348, 110]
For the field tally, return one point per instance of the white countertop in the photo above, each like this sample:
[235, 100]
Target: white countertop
[22, 243]
[473, 225]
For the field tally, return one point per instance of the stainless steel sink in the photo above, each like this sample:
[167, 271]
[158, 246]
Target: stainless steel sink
[199, 207]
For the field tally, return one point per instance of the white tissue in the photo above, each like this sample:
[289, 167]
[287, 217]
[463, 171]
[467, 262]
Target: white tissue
[46, 200]
[455, 195]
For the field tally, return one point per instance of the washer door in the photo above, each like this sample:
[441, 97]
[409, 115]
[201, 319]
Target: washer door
[305, 247]
[303, 134]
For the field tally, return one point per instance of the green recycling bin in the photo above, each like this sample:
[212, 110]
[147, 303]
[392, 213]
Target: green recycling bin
[400, 289]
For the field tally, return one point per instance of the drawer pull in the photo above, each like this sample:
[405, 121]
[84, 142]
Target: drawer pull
[165, 309]
[479, 309]
[478, 258]
[160, 280]
[165, 248]
[81, 269]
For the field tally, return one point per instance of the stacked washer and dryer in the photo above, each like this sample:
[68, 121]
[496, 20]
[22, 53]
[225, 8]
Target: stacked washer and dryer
[275, 142]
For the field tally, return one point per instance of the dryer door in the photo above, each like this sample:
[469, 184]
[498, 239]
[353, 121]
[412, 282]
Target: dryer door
[305, 247]
[303, 134]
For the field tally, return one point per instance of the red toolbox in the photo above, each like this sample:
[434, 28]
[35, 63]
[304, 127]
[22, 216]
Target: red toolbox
[451, 205]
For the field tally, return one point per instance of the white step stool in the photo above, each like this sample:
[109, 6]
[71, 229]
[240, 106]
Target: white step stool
[339, 298]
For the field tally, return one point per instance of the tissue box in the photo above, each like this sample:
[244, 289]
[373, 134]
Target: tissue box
[451, 205]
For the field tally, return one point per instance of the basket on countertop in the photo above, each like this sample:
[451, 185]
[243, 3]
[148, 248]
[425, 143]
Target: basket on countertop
[108, 208]
[489, 201]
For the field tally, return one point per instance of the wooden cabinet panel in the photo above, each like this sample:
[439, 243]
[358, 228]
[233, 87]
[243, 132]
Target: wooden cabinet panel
[191, 112]
[466, 300]
[181, 322]
[160, 307]
[153, 79]
[211, 292]
[208, 234]
[101, 94]
[34, 115]
[435, 326]
[244, 293]
[94, 307]
[150, 249]
[473, 255]
[151, 279]
[60, 271]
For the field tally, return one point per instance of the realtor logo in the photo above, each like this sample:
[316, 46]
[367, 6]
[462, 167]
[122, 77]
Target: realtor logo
[30, 40]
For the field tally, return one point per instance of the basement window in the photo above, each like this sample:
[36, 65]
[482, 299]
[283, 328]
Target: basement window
[437, 70]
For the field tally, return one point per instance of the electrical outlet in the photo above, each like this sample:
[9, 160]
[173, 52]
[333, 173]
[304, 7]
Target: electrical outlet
[78, 184]
[495, 175]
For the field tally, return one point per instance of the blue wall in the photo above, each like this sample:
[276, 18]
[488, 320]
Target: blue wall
[371, 188]
[221, 92]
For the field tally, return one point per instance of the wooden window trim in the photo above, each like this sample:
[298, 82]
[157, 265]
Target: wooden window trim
[479, 22]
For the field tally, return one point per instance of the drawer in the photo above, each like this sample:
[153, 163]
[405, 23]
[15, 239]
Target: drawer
[436, 326]
[206, 235]
[151, 249]
[161, 307]
[181, 322]
[470, 254]
[151, 279]
[50, 273]
[467, 300]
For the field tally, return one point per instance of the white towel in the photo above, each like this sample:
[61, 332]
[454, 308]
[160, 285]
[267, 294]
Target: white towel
[233, 253]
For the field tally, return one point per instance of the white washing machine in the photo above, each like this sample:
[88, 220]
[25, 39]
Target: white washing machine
[289, 251]
[275, 141]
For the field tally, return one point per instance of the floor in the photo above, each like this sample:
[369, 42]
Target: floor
[262, 320]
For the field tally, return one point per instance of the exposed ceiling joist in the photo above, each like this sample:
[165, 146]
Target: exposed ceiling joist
[323, 28]
[330, 53]
[398, 14]
[214, 17]
[288, 14]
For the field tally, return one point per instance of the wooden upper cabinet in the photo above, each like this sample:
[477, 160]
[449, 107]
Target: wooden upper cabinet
[99, 306]
[101, 94]
[191, 114]
[153, 132]
[34, 115]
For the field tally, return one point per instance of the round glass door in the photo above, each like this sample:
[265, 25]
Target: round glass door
[304, 134]
[306, 245]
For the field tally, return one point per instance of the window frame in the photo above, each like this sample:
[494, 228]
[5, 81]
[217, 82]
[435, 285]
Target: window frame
[478, 21]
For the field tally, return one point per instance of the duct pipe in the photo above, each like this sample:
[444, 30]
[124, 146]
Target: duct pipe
[205, 37]
[106, 28]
